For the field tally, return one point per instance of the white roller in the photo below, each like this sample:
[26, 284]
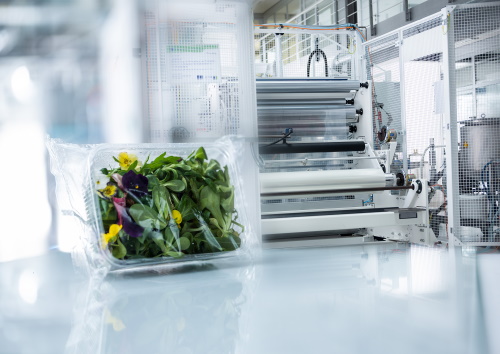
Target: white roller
[307, 181]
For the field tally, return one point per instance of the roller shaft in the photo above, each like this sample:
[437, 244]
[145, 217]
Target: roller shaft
[338, 146]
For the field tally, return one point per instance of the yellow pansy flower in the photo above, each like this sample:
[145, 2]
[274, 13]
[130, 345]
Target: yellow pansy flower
[109, 191]
[125, 160]
[176, 215]
[114, 229]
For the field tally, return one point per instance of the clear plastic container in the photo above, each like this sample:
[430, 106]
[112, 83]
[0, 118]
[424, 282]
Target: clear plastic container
[157, 204]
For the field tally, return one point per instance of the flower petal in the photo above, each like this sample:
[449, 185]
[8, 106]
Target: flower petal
[130, 227]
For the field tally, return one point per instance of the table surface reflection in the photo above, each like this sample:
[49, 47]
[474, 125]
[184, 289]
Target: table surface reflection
[385, 298]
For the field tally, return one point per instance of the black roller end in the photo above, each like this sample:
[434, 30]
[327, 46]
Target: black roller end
[382, 134]
[400, 179]
[359, 111]
[349, 101]
[364, 84]
[419, 186]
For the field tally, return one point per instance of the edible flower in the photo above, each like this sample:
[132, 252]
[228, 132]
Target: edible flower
[109, 191]
[115, 322]
[176, 215]
[125, 160]
[129, 226]
[135, 183]
[114, 229]
[118, 179]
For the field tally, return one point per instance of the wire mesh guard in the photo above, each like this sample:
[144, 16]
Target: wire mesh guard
[196, 62]
[306, 54]
[406, 71]
[475, 50]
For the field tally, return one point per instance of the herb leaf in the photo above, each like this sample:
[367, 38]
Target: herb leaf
[146, 217]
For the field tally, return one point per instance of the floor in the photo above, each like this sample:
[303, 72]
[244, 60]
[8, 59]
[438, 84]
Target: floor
[387, 298]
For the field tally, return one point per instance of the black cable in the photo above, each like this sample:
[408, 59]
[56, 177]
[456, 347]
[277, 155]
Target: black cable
[318, 52]
[281, 139]
[389, 121]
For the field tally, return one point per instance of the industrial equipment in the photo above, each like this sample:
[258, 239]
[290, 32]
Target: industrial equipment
[320, 175]
[423, 100]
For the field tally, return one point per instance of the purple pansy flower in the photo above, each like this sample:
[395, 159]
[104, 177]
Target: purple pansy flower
[135, 183]
[129, 226]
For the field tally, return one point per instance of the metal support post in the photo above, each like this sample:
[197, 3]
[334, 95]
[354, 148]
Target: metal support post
[451, 131]
[279, 53]
[403, 100]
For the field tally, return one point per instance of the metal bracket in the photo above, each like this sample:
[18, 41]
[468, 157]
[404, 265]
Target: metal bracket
[407, 10]
[449, 9]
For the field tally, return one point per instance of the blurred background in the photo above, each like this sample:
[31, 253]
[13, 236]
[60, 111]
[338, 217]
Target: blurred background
[64, 65]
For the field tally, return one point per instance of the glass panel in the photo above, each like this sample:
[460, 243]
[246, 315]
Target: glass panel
[325, 13]
[293, 8]
[389, 8]
[311, 18]
[413, 3]
[364, 12]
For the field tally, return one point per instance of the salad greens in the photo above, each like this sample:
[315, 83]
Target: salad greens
[168, 206]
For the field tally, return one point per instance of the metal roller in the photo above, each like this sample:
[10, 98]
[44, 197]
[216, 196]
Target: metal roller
[304, 114]
[293, 102]
[297, 148]
[303, 182]
[305, 127]
[304, 96]
[340, 132]
[305, 107]
[306, 122]
[305, 85]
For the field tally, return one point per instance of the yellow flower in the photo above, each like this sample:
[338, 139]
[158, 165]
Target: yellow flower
[176, 215]
[126, 160]
[117, 324]
[109, 191]
[114, 229]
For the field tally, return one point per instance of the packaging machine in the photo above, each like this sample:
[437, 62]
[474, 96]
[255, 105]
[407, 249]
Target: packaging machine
[320, 176]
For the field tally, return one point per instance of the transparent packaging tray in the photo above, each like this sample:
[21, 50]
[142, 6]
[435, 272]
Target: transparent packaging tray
[154, 204]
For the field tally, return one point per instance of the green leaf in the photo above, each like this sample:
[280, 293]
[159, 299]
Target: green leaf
[152, 182]
[133, 165]
[146, 217]
[172, 233]
[175, 185]
[160, 198]
[182, 166]
[119, 251]
[162, 161]
[214, 222]
[230, 243]
[144, 166]
[200, 154]
[226, 174]
[186, 207]
[228, 203]
[211, 200]
[105, 171]
[158, 239]
[207, 234]
[175, 254]
[184, 243]
[195, 188]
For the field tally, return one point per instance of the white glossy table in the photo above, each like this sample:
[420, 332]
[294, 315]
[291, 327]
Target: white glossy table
[386, 298]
